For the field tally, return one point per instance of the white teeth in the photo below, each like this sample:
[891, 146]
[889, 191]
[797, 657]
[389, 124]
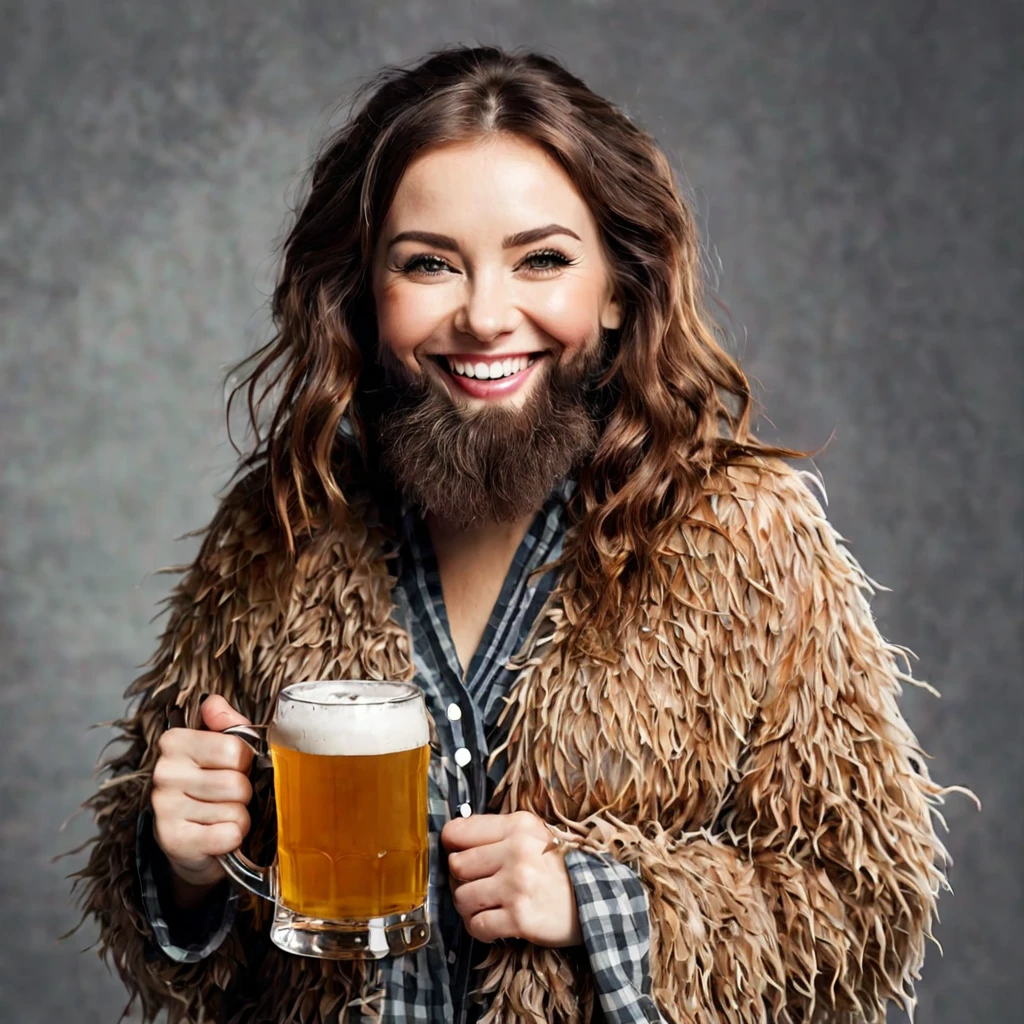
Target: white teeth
[489, 371]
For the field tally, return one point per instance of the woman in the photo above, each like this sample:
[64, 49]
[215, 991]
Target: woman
[509, 459]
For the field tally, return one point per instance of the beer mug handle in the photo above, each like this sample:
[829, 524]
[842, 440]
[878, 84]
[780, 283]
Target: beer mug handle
[252, 876]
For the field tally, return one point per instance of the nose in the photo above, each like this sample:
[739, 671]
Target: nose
[487, 310]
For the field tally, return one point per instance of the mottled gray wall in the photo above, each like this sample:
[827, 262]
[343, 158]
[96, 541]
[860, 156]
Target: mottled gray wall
[857, 167]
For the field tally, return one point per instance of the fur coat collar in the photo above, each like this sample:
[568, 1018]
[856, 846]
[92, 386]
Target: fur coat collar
[745, 754]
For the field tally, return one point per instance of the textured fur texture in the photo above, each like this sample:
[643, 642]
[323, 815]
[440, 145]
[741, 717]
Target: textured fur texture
[744, 753]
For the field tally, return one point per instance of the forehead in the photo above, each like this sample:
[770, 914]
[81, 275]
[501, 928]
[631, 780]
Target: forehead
[497, 178]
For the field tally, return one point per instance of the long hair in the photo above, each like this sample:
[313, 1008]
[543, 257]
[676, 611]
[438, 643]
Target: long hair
[677, 406]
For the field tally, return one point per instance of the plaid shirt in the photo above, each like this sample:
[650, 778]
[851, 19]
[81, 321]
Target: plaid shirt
[431, 985]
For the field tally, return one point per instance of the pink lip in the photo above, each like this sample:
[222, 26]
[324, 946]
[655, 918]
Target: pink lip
[493, 388]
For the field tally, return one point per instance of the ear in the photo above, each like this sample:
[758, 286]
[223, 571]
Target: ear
[611, 314]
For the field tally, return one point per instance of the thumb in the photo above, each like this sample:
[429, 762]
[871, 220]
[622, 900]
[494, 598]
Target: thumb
[217, 714]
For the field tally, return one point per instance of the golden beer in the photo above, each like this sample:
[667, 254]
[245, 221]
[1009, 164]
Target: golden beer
[351, 832]
[350, 776]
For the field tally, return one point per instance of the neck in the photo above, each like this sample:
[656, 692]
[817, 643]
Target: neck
[473, 562]
[482, 537]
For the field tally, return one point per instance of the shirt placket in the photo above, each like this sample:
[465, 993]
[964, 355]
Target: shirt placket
[468, 762]
[464, 747]
[462, 730]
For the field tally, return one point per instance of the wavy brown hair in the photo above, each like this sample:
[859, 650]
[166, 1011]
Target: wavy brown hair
[676, 405]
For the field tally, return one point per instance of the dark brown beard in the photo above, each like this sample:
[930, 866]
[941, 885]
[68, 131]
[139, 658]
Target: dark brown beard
[489, 465]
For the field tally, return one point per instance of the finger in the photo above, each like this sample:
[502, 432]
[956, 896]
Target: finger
[231, 814]
[211, 750]
[217, 714]
[477, 830]
[215, 785]
[207, 749]
[493, 924]
[473, 897]
[188, 841]
[179, 807]
[218, 785]
[478, 861]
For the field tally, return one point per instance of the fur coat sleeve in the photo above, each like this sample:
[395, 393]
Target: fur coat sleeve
[194, 656]
[799, 884]
[241, 624]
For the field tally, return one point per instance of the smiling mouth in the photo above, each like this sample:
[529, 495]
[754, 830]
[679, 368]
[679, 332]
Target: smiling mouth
[499, 369]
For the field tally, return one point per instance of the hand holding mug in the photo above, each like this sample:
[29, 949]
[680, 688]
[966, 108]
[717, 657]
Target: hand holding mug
[200, 792]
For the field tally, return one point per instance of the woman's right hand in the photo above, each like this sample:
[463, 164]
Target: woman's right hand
[199, 796]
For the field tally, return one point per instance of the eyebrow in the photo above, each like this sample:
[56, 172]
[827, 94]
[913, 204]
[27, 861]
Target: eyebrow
[508, 242]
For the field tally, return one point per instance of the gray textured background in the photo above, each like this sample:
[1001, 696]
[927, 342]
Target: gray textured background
[857, 167]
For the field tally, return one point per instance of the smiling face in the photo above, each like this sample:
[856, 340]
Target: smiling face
[492, 293]
[488, 269]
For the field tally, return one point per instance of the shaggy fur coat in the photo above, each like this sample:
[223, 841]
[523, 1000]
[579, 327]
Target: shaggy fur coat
[744, 753]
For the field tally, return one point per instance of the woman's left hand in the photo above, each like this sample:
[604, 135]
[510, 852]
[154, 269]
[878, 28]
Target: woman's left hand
[509, 880]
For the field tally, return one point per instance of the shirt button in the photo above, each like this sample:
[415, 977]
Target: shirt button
[463, 757]
[454, 712]
[465, 810]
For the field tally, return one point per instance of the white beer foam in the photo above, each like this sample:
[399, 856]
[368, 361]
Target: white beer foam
[328, 718]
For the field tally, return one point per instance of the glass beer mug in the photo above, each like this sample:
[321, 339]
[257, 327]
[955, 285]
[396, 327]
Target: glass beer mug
[350, 764]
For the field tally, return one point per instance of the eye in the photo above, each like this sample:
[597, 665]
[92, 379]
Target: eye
[544, 261]
[553, 257]
[432, 266]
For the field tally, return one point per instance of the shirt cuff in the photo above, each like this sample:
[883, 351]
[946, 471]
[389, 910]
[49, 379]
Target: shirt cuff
[185, 937]
[614, 919]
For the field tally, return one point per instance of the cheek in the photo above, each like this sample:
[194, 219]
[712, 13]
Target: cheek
[405, 321]
[569, 315]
